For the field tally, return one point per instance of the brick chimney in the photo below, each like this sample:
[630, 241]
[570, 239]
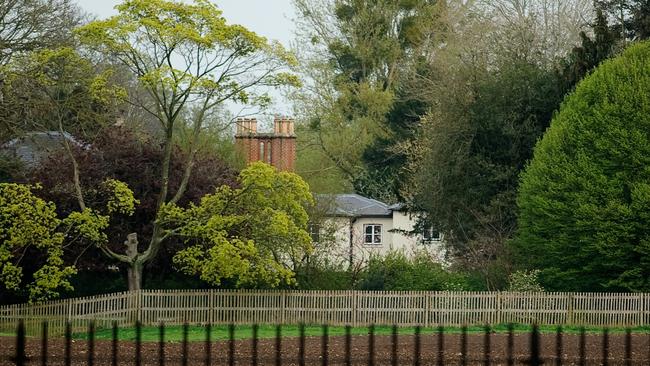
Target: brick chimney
[277, 148]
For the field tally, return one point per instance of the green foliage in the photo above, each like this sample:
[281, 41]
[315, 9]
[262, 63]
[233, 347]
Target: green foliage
[467, 185]
[317, 278]
[361, 51]
[631, 18]
[584, 197]
[254, 233]
[178, 48]
[29, 225]
[57, 90]
[121, 198]
[591, 52]
[525, 281]
[395, 272]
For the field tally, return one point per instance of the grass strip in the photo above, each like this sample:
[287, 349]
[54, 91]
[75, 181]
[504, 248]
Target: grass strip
[174, 333]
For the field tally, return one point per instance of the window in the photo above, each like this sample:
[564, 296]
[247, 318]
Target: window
[314, 232]
[430, 234]
[372, 234]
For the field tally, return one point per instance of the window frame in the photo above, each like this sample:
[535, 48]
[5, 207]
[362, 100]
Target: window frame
[314, 231]
[431, 239]
[373, 234]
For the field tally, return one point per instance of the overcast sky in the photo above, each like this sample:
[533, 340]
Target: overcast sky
[269, 18]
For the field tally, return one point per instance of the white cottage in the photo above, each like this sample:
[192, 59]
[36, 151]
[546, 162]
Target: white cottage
[353, 228]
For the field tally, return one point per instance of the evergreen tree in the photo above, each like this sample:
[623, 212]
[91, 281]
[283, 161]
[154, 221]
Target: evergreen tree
[584, 197]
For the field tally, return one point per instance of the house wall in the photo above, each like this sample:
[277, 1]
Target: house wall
[336, 244]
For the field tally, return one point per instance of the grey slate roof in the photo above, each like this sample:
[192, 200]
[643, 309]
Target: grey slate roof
[34, 146]
[352, 205]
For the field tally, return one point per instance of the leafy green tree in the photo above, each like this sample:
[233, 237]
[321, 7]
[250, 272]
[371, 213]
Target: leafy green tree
[187, 59]
[631, 18]
[57, 90]
[584, 197]
[255, 234]
[360, 51]
[591, 52]
[29, 229]
[133, 157]
[474, 150]
[30, 25]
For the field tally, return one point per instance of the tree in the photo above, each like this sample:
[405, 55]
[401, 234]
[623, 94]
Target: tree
[132, 157]
[360, 49]
[631, 18]
[29, 228]
[185, 56]
[57, 90]
[255, 234]
[584, 197]
[29, 25]
[490, 98]
[590, 53]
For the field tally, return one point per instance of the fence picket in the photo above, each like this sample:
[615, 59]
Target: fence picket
[357, 308]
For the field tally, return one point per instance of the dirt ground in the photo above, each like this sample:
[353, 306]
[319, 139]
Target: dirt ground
[313, 346]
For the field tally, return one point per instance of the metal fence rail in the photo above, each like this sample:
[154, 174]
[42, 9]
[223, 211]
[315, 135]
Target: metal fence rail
[356, 308]
[439, 348]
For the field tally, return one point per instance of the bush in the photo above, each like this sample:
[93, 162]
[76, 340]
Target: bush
[584, 199]
[525, 281]
[395, 272]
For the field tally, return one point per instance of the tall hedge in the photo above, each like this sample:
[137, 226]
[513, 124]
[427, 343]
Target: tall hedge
[584, 199]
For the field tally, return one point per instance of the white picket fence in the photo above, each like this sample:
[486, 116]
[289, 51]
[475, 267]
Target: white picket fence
[357, 308]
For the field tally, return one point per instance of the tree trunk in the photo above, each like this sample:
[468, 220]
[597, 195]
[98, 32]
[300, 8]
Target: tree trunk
[134, 273]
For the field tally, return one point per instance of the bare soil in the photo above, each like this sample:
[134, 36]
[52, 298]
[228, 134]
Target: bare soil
[150, 352]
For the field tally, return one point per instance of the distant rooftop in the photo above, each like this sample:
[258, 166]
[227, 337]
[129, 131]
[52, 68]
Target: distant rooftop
[354, 205]
[32, 147]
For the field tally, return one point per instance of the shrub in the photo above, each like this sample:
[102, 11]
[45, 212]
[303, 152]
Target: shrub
[396, 272]
[525, 281]
[584, 199]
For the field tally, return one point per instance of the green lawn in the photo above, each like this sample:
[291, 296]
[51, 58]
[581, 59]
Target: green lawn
[197, 333]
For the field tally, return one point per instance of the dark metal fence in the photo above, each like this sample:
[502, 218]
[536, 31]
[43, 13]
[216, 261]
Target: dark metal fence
[437, 347]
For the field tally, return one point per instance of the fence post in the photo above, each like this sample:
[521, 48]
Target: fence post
[498, 307]
[139, 305]
[355, 305]
[211, 307]
[283, 304]
[569, 315]
[427, 308]
[642, 310]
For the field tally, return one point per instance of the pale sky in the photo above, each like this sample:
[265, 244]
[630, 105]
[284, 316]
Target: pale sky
[269, 18]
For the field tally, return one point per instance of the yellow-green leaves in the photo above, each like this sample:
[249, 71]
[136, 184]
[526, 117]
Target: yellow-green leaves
[89, 225]
[186, 53]
[121, 199]
[30, 229]
[29, 225]
[253, 234]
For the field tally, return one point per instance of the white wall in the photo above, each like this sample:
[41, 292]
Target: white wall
[337, 249]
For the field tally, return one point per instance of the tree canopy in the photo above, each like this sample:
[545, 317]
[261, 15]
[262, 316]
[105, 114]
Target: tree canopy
[255, 233]
[187, 60]
[584, 197]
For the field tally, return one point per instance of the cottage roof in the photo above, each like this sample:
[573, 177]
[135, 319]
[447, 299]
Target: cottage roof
[353, 205]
